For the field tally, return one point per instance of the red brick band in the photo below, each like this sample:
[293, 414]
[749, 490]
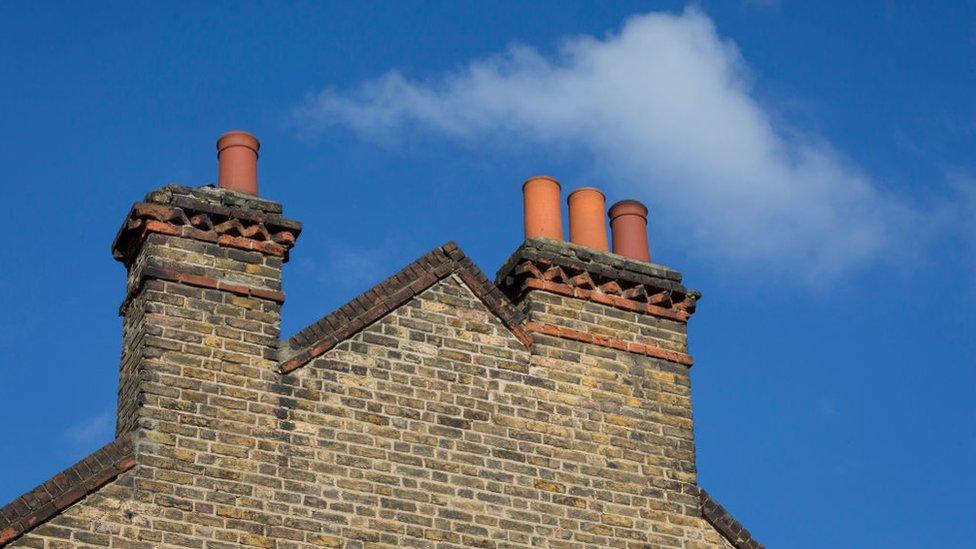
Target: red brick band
[172, 275]
[611, 342]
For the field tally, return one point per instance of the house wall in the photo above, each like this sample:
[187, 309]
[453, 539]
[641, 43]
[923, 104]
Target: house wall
[436, 425]
[103, 519]
[433, 427]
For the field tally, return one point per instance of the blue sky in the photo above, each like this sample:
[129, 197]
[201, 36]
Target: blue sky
[809, 168]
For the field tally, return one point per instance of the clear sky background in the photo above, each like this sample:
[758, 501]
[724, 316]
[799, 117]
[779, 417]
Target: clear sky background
[811, 169]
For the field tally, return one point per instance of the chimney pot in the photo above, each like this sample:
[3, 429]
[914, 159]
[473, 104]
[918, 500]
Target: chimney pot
[628, 223]
[587, 224]
[541, 201]
[237, 158]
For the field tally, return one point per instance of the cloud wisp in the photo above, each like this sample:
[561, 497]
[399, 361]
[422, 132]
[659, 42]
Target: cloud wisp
[664, 110]
[92, 430]
[356, 267]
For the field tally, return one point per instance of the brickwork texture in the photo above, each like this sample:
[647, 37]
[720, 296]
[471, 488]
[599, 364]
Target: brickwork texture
[449, 416]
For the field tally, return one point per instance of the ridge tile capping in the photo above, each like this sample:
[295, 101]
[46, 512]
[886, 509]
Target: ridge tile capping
[65, 489]
[723, 521]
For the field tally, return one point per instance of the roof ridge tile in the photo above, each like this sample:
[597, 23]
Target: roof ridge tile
[723, 521]
[65, 488]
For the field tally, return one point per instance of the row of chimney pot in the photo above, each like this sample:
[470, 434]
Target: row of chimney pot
[237, 155]
[587, 224]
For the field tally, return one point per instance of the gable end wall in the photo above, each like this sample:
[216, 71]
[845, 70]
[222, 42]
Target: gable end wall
[436, 425]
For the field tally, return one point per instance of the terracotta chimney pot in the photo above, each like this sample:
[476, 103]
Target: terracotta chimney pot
[587, 224]
[628, 223]
[237, 158]
[543, 215]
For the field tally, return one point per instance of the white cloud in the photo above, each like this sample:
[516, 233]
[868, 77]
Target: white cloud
[664, 110]
[95, 429]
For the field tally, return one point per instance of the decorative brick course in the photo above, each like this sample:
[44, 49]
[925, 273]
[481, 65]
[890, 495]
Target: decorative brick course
[180, 211]
[650, 307]
[582, 273]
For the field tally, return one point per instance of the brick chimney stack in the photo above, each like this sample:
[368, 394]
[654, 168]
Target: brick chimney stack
[201, 316]
[611, 329]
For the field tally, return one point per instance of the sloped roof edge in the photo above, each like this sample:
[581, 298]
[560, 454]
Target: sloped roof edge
[381, 299]
[725, 523]
[64, 489]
